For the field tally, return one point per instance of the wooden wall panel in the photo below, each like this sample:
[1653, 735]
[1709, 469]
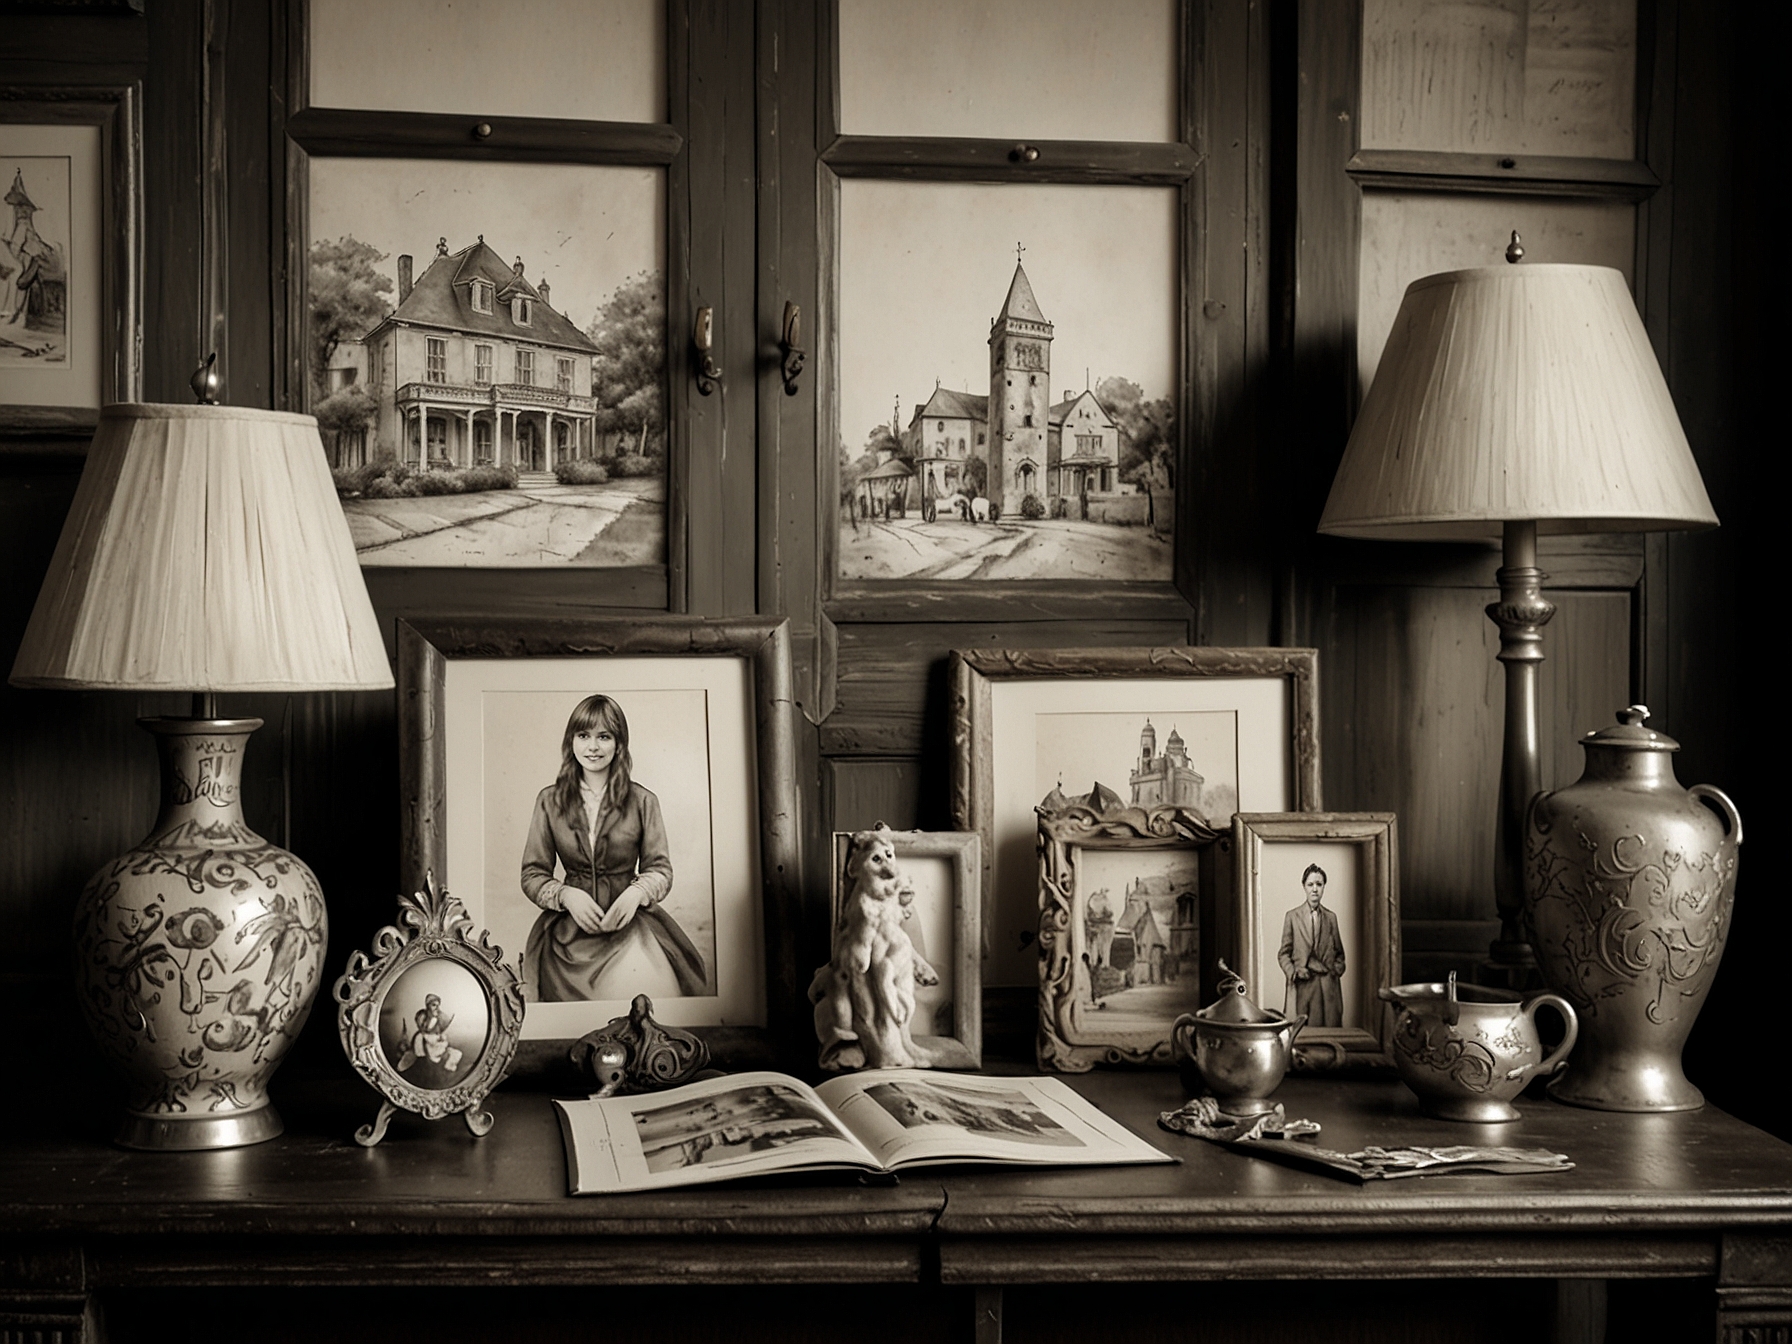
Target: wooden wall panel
[1414, 716]
[898, 791]
[892, 683]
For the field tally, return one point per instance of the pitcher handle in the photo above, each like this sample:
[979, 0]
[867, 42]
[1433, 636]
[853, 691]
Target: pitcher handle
[1718, 799]
[1559, 1055]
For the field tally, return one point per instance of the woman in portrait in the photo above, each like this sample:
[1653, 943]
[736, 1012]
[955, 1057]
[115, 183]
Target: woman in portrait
[602, 933]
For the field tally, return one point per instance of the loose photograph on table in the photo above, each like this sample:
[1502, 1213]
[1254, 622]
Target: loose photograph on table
[1064, 732]
[1120, 933]
[604, 816]
[1317, 905]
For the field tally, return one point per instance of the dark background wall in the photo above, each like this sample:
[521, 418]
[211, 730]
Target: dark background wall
[1677, 617]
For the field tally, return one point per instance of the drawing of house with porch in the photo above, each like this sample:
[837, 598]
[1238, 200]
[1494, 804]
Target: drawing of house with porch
[473, 367]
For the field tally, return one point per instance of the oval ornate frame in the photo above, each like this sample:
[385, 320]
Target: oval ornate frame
[432, 926]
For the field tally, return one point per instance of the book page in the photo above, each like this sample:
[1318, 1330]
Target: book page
[909, 1116]
[715, 1130]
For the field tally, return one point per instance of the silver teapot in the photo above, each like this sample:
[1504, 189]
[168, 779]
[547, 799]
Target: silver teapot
[1240, 1052]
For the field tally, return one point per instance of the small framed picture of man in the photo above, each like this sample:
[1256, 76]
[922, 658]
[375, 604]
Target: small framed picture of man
[1318, 914]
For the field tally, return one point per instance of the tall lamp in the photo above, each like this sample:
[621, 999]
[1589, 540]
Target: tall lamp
[205, 551]
[1511, 401]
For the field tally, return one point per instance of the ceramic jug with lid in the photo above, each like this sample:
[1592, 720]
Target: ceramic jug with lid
[1629, 880]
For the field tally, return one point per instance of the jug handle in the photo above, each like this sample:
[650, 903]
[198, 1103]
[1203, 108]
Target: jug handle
[1720, 801]
[1559, 1055]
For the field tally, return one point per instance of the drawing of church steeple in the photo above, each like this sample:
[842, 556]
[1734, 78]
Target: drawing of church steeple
[1020, 395]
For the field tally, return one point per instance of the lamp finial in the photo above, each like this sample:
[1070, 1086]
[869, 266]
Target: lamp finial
[204, 381]
[1515, 249]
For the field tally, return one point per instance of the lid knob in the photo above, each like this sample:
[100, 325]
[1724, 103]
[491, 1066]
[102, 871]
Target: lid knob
[1634, 716]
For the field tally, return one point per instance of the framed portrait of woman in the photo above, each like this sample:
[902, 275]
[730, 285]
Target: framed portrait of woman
[615, 803]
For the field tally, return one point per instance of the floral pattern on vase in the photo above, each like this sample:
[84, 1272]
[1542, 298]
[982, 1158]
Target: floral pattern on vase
[200, 950]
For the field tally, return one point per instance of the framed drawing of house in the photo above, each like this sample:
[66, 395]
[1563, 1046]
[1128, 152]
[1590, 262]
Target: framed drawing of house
[489, 281]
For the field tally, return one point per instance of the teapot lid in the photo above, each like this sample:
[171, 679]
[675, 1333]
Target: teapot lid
[1629, 734]
[1234, 1003]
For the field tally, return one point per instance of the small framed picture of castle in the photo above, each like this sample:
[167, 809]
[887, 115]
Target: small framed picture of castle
[1044, 733]
[485, 353]
[1007, 404]
[1317, 909]
[1120, 931]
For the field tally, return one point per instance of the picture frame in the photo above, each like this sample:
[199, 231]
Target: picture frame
[79, 333]
[431, 1020]
[1273, 853]
[946, 870]
[481, 709]
[1118, 964]
[633, 549]
[1092, 705]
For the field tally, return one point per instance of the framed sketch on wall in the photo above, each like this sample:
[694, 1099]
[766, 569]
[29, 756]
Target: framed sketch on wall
[616, 805]
[485, 279]
[70, 255]
[1047, 730]
[1317, 907]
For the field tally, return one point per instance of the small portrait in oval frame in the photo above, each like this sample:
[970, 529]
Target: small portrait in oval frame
[432, 1019]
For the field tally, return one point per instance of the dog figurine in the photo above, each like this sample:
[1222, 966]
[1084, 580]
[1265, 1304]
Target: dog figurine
[865, 995]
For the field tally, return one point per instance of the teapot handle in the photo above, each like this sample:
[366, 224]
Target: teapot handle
[1183, 1029]
[1720, 801]
[1559, 1055]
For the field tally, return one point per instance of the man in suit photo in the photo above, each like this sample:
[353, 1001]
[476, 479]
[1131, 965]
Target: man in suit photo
[1312, 956]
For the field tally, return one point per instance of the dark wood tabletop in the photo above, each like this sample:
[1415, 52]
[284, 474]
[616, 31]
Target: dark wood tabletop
[1648, 1195]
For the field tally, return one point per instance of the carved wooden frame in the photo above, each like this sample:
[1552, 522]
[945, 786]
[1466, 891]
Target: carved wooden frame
[424, 648]
[432, 926]
[116, 109]
[964, 1048]
[1063, 979]
[1373, 837]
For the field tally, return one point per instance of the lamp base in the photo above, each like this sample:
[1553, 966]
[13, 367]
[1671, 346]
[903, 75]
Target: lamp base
[198, 952]
[192, 1134]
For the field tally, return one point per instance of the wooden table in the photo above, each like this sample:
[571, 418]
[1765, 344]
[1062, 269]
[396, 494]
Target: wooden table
[1699, 1197]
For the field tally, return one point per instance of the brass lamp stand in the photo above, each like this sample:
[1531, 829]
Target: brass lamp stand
[1521, 613]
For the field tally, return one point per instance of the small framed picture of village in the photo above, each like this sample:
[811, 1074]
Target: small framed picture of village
[1121, 893]
[1007, 404]
[485, 350]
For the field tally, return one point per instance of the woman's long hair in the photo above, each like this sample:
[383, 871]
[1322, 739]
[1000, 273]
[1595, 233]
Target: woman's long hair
[593, 713]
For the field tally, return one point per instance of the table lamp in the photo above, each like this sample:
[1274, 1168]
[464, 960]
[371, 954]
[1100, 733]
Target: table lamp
[1511, 401]
[205, 551]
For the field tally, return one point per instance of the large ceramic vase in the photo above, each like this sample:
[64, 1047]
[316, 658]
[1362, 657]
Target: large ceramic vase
[1629, 879]
[199, 951]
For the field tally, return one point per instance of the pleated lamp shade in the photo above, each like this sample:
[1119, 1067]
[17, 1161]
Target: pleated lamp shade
[1516, 393]
[205, 551]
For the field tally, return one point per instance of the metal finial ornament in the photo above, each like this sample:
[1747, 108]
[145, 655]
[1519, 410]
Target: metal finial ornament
[205, 381]
[1515, 249]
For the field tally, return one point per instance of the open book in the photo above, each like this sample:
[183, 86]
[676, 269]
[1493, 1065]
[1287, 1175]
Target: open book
[748, 1124]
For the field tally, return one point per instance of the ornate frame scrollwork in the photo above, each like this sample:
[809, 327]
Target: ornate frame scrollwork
[1065, 1043]
[432, 926]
